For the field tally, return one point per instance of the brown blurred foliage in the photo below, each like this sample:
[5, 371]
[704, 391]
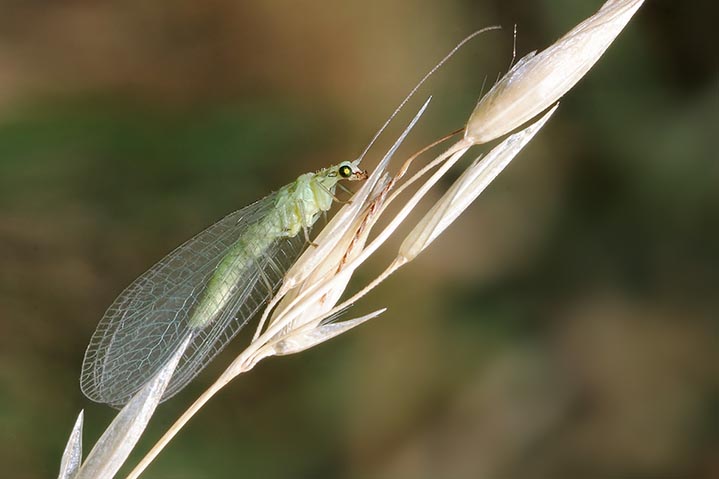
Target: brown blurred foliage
[565, 327]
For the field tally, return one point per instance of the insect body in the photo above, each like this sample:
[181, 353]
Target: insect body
[207, 289]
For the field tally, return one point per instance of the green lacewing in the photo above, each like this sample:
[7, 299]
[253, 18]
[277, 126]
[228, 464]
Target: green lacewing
[206, 289]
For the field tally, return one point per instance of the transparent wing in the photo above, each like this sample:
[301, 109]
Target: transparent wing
[146, 324]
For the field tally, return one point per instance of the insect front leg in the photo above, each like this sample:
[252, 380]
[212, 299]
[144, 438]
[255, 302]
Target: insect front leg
[346, 190]
[334, 197]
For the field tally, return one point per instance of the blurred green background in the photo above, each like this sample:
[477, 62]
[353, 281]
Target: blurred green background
[565, 327]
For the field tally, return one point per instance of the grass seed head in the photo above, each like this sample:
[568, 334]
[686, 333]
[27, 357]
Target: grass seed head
[540, 79]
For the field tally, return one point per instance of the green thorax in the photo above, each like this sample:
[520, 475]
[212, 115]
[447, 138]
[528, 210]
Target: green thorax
[299, 204]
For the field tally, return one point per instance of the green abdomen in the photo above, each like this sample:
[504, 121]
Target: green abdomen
[237, 265]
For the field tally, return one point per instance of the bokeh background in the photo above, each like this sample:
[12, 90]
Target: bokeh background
[565, 327]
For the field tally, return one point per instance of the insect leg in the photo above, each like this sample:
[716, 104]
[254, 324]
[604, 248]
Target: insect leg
[305, 231]
[307, 236]
[266, 280]
[329, 192]
[346, 190]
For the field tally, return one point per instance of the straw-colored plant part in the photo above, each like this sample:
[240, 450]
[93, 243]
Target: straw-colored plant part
[539, 80]
[465, 190]
[306, 309]
[72, 455]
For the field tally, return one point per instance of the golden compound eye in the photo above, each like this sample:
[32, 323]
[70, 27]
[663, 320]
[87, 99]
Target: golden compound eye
[345, 171]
